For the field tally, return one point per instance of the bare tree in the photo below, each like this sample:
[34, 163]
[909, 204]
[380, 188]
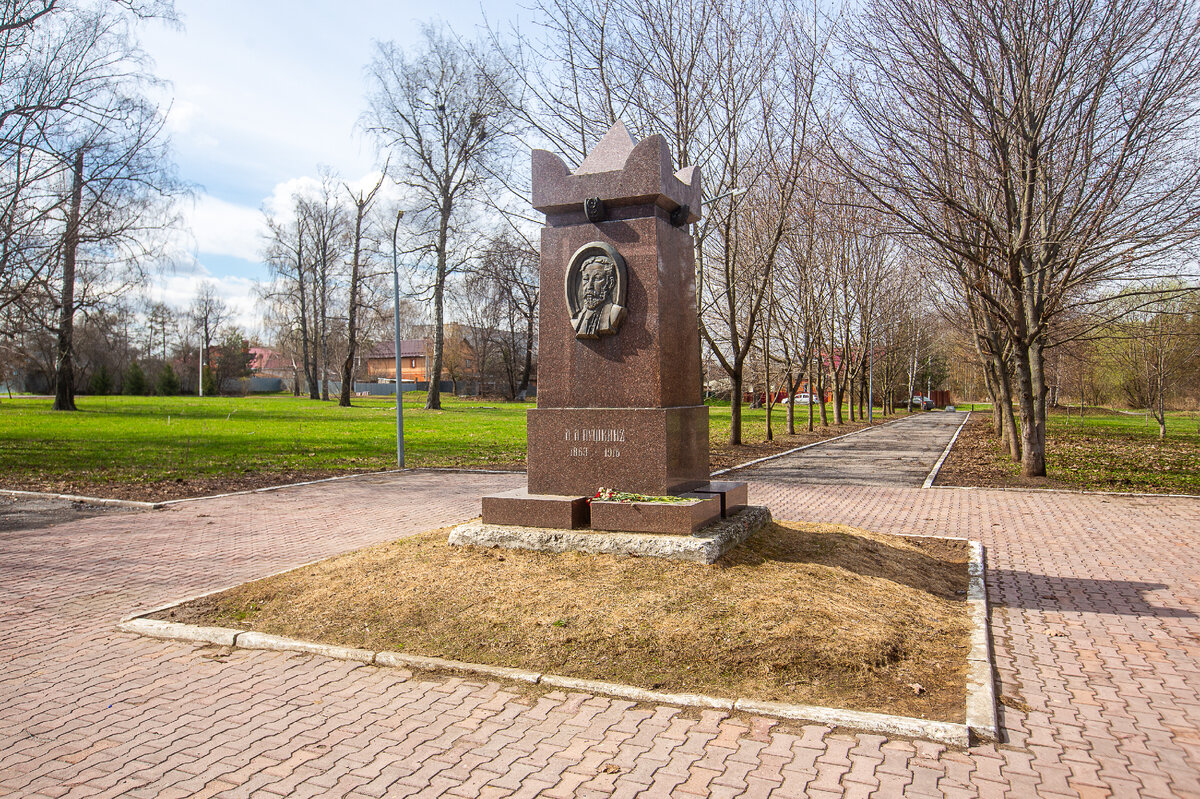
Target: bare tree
[326, 224]
[1157, 343]
[511, 265]
[1076, 119]
[208, 313]
[362, 202]
[291, 293]
[442, 115]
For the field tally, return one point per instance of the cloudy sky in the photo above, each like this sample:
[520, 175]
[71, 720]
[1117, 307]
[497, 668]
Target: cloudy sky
[261, 92]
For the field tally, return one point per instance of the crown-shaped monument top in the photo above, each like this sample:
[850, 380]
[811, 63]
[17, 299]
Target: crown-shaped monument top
[611, 153]
[619, 171]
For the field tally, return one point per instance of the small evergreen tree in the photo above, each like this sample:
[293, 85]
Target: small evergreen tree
[210, 382]
[101, 382]
[135, 381]
[168, 382]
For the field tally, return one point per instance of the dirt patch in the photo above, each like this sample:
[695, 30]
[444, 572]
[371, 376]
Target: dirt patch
[163, 490]
[815, 614]
[28, 513]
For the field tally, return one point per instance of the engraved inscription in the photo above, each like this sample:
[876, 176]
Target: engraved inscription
[595, 435]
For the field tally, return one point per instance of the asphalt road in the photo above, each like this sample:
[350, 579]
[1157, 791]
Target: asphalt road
[898, 454]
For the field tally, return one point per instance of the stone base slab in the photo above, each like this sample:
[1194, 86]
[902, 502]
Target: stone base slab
[519, 507]
[705, 546]
[667, 518]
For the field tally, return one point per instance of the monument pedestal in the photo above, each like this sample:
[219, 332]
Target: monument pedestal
[655, 451]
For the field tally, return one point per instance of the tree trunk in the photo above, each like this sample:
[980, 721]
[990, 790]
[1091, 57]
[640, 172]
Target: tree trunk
[527, 371]
[1162, 414]
[64, 372]
[791, 406]
[837, 399]
[433, 397]
[352, 315]
[1004, 403]
[324, 321]
[850, 395]
[821, 394]
[735, 406]
[1033, 453]
[989, 381]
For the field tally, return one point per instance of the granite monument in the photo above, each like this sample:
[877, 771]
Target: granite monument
[619, 400]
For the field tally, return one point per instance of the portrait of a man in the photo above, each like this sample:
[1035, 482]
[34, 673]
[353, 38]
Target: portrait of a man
[594, 292]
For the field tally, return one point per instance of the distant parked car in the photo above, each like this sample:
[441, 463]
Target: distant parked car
[802, 399]
[924, 403]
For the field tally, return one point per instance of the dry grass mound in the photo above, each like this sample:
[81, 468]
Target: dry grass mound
[815, 614]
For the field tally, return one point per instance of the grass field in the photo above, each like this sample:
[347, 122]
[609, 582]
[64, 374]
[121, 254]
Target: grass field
[166, 447]
[1104, 450]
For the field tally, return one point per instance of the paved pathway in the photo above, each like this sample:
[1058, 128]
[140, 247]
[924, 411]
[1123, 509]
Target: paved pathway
[1095, 630]
[901, 454]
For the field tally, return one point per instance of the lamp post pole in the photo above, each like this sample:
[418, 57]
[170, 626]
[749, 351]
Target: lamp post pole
[396, 317]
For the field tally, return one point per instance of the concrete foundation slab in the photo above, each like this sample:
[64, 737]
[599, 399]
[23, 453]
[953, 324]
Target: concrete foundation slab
[704, 546]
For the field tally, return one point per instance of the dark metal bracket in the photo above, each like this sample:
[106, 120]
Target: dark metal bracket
[595, 210]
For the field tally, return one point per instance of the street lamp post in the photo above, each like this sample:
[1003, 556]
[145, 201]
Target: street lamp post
[396, 315]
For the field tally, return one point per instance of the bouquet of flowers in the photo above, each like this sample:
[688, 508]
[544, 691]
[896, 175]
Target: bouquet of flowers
[612, 495]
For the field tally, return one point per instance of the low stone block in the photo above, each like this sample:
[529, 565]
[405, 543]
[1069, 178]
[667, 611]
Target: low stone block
[668, 518]
[519, 507]
[733, 496]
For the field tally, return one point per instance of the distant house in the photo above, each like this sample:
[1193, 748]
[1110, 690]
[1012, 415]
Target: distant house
[266, 362]
[414, 361]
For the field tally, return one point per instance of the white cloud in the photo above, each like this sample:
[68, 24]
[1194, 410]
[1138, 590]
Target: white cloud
[239, 293]
[224, 228]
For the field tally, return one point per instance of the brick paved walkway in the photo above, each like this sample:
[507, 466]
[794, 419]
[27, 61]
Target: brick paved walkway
[1095, 630]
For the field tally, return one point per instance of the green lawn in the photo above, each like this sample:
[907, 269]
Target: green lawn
[1110, 450]
[153, 438]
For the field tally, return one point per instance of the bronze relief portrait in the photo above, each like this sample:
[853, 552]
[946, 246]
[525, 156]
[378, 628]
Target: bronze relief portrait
[595, 287]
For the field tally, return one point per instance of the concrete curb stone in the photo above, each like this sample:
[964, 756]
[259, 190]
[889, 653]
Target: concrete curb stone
[154, 628]
[278, 643]
[405, 661]
[637, 694]
[941, 731]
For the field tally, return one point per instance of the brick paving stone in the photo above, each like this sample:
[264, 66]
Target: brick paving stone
[88, 711]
